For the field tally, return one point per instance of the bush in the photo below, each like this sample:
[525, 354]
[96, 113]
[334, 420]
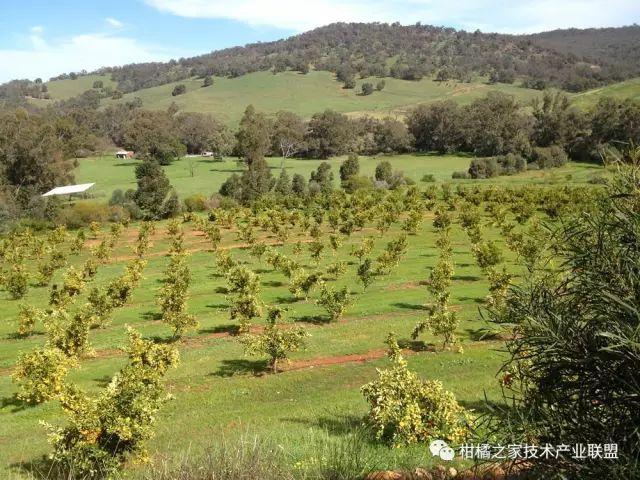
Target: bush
[179, 90]
[16, 281]
[41, 374]
[196, 203]
[428, 178]
[81, 214]
[103, 431]
[460, 175]
[573, 366]
[511, 163]
[549, 157]
[357, 183]
[484, 168]
[367, 88]
[406, 409]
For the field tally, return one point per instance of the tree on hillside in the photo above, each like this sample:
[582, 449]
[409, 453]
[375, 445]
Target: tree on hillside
[437, 126]
[208, 81]
[350, 168]
[496, 125]
[200, 132]
[384, 171]
[392, 136]
[179, 90]
[367, 88]
[322, 178]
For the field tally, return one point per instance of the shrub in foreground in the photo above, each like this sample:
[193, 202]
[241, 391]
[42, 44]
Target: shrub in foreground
[405, 409]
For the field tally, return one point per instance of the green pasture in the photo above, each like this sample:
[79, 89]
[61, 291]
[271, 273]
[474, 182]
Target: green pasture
[316, 91]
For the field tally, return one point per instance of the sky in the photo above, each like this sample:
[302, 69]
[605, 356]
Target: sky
[44, 38]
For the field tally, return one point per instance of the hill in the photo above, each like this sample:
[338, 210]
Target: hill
[308, 94]
[574, 60]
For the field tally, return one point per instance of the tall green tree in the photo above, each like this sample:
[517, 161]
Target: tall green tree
[253, 136]
[153, 193]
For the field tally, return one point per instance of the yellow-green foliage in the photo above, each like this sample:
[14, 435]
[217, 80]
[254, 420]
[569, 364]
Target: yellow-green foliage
[27, 319]
[334, 301]
[405, 409]
[16, 281]
[103, 430]
[172, 297]
[41, 374]
[274, 341]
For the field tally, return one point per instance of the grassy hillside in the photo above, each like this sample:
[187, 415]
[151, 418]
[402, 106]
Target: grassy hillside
[307, 94]
[63, 89]
[628, 89]
[110, 173]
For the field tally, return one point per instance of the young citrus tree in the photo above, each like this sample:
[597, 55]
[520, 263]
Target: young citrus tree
[172, 297]
[441, 320]
[275, 342]
[405, 409]
[41, 374]
[104, 430]
[335, 302]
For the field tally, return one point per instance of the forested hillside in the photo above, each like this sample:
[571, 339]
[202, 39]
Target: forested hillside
[574, 60]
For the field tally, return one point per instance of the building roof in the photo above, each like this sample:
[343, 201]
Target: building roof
[69, 189]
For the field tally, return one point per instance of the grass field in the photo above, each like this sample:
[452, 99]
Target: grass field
[307, 94]
[628, 89]
[110, 173]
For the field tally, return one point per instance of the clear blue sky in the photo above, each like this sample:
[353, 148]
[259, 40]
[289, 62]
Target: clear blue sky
[42, 38]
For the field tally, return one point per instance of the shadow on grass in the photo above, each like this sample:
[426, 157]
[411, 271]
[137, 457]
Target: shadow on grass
[103, 381]
[313, 319]
[416, 345]
[229, 328]
[230, 368]
[218, 305]
[273, 283]
[286, 300]
[334, 423]
[478, 300]
[222, 290]
[409, 306]
[486, 334]
[466, 278]
[151, 315]
[483, 406]
[20, 336]
[17, 404]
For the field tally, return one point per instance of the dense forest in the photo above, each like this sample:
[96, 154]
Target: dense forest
[573, 60]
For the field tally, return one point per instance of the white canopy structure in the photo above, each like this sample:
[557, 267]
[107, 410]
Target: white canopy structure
[69, 189]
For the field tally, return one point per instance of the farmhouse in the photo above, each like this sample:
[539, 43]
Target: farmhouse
[124, 154]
